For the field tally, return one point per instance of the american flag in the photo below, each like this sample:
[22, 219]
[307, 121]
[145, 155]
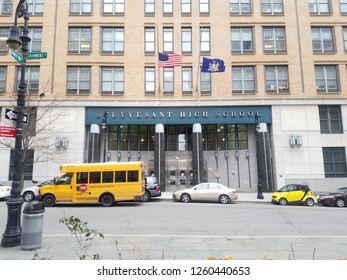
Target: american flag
[170, 59]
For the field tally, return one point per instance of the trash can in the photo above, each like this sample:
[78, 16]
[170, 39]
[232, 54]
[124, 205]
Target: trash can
[32, 226]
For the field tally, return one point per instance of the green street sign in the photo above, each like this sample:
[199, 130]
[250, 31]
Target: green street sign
[36, 55]
[17, 56]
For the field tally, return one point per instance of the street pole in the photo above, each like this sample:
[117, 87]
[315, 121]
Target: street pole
[104, 127]
[12, 235]
[259, 185]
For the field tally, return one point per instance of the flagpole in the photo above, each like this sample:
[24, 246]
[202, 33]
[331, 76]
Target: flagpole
[198, 72]
[159, 90]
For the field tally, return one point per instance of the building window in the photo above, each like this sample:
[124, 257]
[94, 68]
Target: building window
[326, 78]
[80, 7]
[205, 83]
[32, 78]
[205, 40]
[319, 7]
[322, 39]
[28, 164]
[187, 80]
[168, 80]
[114, 7]
[113, 40]
[3, 74]
[5, 7]
[240, 7]
[78, 80]
[274, 39]
[150, 80]
[35, 7]
[204, 7]
[241, 39]
[168, 40]
[35, 33]
[237, 137]
[343, 6]
[334, 162]
[272, 7]
[243, 79]
[276, 79]
[149, 7]
[80, 39]
[167, 7]
[186, 40]
[112, 80]
[330, 119]
[186, 7]
[3, 37]
[344, 38]
[149, 40]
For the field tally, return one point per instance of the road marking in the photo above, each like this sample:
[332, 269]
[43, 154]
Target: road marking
[209, 236]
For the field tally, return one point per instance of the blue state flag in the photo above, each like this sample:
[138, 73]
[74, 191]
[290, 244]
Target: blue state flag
[212, 65]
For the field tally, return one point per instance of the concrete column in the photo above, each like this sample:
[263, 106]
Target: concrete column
[159, 155]
[198, 156]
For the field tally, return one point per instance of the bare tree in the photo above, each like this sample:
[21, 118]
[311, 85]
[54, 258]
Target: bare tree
[43, 113]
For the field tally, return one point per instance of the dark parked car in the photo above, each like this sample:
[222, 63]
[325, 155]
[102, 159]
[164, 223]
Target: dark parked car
[337, 198]
[152, 188]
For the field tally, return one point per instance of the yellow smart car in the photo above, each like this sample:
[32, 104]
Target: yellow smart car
[293, 194]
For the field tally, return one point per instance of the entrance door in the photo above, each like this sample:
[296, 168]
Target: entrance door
[179, 173]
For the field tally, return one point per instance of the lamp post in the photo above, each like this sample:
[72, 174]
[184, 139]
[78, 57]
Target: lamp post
[259, 185]
[104, 127]
[12, 235]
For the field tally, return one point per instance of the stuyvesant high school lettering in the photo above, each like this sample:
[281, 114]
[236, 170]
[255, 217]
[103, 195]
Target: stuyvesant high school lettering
[182, 115]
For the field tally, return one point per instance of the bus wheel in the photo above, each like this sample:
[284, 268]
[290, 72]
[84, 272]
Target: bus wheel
[49, 200]
[107, 200]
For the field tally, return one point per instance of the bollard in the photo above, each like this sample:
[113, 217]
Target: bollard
[32, 227]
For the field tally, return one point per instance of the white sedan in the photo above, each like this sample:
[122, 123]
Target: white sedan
[5, 192]
[213, 192]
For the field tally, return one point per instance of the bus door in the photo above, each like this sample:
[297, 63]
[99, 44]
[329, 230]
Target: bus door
[63, 188]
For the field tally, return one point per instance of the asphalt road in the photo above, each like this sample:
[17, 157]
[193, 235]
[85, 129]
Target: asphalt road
[194, 230]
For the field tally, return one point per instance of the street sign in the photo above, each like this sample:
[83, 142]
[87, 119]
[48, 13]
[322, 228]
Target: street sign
[36, 55]
[7, 131]
[17, 56]
[12, 115]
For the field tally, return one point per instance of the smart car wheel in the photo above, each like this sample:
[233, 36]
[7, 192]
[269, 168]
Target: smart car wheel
[49, 200]
[185, 197]
[282, 201]
[28, 196]
[340, 202]
[107, 200]
[309, 202]
[146, 197]
[224, 199]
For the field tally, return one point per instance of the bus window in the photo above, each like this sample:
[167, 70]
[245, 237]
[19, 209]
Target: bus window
[107, 177]
[95, 177]
[133, 176]
[121, 176]
[82, 177]
[64, 180]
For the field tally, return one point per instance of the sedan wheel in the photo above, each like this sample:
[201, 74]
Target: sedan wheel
[309, 202]
[146, 197]
[224, 199]
[282, 201]
[28, 196]
[185, 197]
[340, 202]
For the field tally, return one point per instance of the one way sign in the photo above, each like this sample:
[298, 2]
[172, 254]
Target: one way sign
[12, 115]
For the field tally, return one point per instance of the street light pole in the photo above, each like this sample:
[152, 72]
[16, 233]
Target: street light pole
[259, 185]
[104, 127]
[12, 235]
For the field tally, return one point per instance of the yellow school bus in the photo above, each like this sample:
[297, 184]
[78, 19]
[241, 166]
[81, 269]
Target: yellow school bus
[104, 183]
